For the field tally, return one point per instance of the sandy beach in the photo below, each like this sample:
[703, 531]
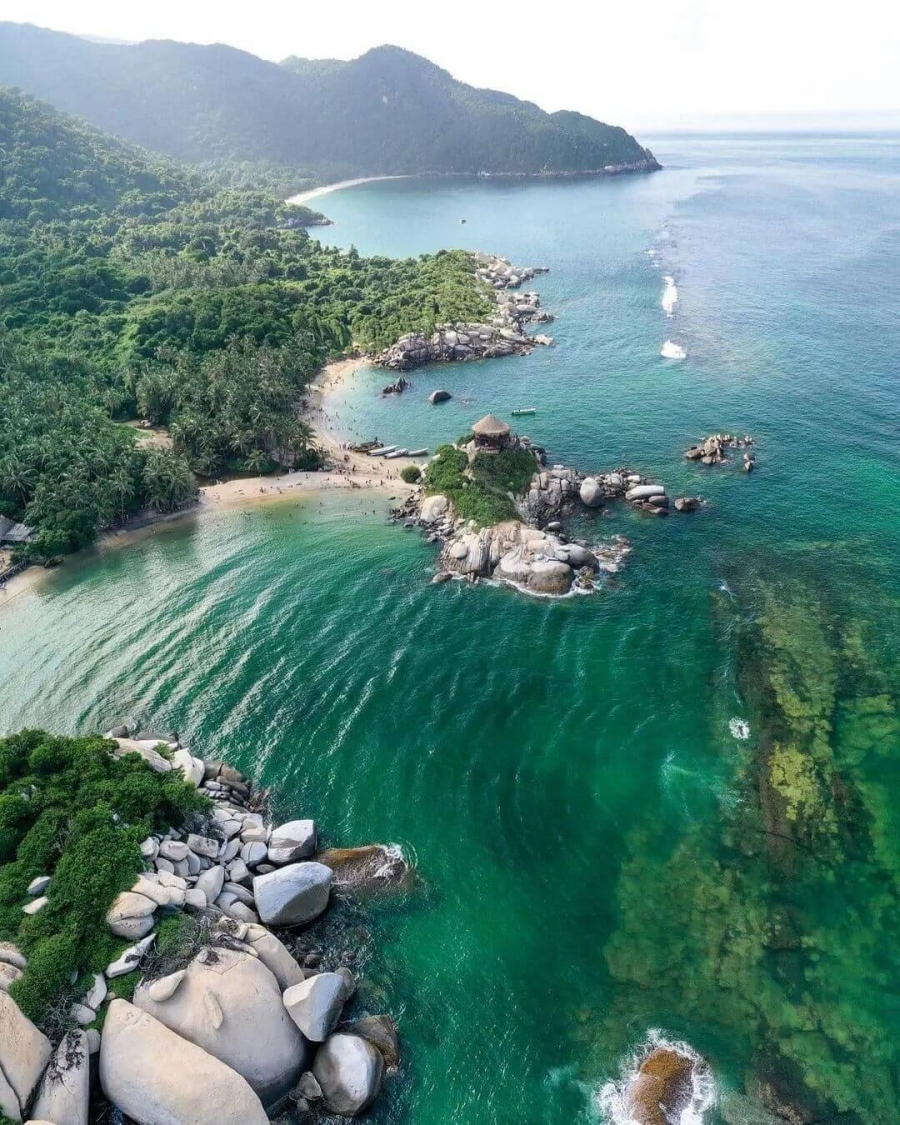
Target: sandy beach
[347, 471]
[326, 189]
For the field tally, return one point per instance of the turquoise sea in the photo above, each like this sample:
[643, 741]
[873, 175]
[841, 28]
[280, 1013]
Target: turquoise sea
[601, 853]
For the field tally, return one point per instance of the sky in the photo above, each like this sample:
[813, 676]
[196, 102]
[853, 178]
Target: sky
[645, 64]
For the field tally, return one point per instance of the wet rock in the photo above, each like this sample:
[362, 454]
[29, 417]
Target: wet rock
[381, 1032]
[439, 396]
[369, 868]
[662, 1087]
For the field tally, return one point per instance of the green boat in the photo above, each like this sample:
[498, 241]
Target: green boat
[524, 410]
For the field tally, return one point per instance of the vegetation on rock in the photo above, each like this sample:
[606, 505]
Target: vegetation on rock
[70, 810]
[484, 490]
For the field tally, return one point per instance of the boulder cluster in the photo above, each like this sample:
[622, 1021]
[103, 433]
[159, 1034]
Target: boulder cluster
[558, 491]
[713, 450]
[533, 560]
[502, 334]
[240, 1028]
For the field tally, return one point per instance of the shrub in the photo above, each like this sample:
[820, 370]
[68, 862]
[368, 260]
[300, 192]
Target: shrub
[412, 474]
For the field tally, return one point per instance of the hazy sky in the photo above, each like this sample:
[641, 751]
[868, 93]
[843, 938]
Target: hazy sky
[640, 63]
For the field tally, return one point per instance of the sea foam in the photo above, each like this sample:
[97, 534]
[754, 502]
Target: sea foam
[670, 296]
[612, 1099]
[673, 351]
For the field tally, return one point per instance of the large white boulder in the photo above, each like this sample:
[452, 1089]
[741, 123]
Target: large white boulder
[434, 508]
[191, 767]
[65, 1088]
[24, 1053]
[157, 1078]
[292, 895]
[151, 756]
[315, 1004]
[292, 841]
[274, 955]
[645, 491]
[230, 1004]
[591, 493]
[349, 1070]
[211, 882]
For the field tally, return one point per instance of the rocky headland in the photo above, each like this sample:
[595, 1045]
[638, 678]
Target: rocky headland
[498, 474]
[222, 1005]
[503, 333]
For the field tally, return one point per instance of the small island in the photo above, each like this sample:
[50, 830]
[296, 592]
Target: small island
[498, 512]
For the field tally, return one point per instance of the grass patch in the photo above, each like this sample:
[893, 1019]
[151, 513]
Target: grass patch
[70, 810]
[484, 490]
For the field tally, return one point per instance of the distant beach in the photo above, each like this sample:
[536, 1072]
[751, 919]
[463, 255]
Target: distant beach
[326, 189]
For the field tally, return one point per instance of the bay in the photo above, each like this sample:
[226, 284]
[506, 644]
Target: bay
[566, 774]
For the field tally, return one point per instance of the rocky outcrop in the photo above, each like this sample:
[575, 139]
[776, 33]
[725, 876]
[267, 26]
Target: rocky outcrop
[224, 1022]
[349, 1071]
[662, 1087]
[502, 334]
[24, 1054]
[229, 1003]
[714, 449]
[157, 1078]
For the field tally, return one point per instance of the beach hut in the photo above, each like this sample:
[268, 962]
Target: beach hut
[14, 534]
[491, 434]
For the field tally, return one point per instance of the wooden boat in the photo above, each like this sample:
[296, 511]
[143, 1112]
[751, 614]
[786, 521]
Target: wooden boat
[364, 447]
[382, 451]
[396, 453]
[522, 411]
[418, 453]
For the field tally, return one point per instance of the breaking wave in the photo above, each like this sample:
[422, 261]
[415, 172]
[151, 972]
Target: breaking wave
[613, 1102]
[670, 295]
[671, 350]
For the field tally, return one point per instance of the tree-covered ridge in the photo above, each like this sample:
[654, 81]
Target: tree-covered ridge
[52, 166]
[389, 111]
[207, 311]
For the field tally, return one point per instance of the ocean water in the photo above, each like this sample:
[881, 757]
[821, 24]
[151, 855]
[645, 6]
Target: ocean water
[577, 781]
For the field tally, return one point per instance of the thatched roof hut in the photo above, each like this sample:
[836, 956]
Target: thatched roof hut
[491, 431]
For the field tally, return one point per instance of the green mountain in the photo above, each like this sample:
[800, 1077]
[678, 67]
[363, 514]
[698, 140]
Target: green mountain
[387, 112]
[132, 288]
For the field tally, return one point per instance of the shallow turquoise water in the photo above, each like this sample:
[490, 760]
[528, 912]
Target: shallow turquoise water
[564, 773]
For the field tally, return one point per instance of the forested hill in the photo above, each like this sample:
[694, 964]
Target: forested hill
[389, 111]
[132, 288]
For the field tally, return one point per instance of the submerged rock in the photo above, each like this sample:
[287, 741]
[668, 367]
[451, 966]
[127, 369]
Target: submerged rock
[369, 868]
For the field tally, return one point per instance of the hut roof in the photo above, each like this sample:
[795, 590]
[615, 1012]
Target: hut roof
[12, 532]
[491, 426]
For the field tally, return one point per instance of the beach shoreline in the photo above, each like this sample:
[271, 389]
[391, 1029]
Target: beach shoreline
[304, 197]
[348, 472]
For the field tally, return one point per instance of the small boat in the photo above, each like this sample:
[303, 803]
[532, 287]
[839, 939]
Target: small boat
[382, 451]
[396, 453]
[523, 410]
[418, 453]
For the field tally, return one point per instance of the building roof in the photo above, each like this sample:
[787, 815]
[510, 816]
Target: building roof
[491, 426]
[12, 532]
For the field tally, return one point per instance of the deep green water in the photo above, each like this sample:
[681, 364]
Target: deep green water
[594, 857]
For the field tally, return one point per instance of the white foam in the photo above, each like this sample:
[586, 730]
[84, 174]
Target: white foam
[670, 296]
[740, 729]
[673, 351]
[612, 1099]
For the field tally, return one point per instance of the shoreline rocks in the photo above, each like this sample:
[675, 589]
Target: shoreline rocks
[713, 450]
[226, 1024]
